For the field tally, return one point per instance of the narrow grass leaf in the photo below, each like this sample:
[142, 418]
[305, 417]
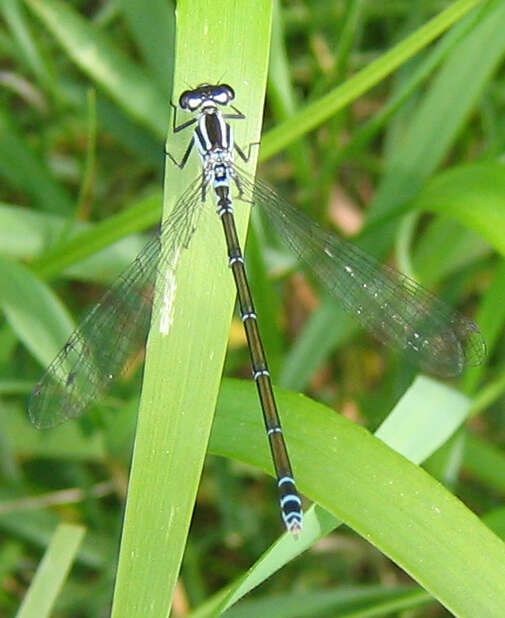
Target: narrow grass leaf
[424, 419]
[282, 97]
[14, 14]
[445, 247]
[496, 521]
[412, 80]
[443, 111]
[21, 168]
[67, 442]
[89, 242]
[491, 318]
[316, 113]
[26, 234]
[343, 602]
[154, 34]
[52, 572]
[485, 462]
[37, 528]
[472, 194]
[33, 310]
[328, 327]
[91, 50]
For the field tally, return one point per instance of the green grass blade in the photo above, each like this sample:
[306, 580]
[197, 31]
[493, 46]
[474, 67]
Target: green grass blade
[97, 253]
[154, 34]
[89, 171]
[124, 81]
[485, 462]
[14, 14]
[52, 572]
[22, 168]
[33, 311]
[24, 232]
[37, 528]
[441, 114]
[496, 521]
[325, 107]
[424, 419]
[183, 368]
[389, 501]
[64, 443]
[490, 317]
[365, 133]
[327, 328]
[89, 242]
[444, 248]
[473, 195]
[434, 411]
[282, 97]
[345, 602]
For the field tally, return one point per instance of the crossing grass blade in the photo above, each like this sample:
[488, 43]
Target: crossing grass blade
[392, 503]
[315, 114]
[52, 572]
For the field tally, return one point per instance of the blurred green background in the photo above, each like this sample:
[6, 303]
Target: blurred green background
[411, 167]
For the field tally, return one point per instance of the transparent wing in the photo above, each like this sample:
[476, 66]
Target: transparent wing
[116, 327]
[397, 310]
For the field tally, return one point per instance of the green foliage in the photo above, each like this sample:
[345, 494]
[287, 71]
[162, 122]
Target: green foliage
[52, 572]
[391, 115]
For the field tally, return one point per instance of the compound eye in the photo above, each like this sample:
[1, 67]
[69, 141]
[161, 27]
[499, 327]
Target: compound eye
[223, 94]
[188, 100]
[194, 103]
[183, 99]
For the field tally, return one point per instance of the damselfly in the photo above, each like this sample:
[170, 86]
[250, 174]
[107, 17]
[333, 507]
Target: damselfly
[400, 312]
